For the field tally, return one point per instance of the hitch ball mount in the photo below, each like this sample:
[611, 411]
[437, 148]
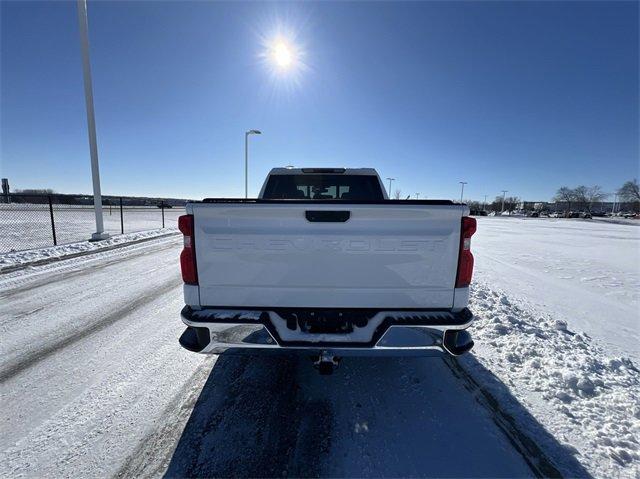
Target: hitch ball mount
[326, 363]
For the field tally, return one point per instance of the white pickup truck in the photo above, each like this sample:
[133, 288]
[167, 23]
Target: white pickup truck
[324, 263]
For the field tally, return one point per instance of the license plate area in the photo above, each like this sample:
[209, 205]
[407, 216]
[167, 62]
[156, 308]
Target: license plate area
[325, 321]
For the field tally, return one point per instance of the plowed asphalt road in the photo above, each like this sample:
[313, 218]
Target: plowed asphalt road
[94, 383]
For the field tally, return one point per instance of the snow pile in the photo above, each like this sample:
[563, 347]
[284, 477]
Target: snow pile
[586, 273]
[17, 258]
[588, 400]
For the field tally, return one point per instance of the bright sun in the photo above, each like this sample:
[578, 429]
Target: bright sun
[282, 54]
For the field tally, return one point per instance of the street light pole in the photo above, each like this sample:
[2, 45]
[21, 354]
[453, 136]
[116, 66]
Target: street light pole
[417, 196]
[91, 121]
[390, 180]
[246, 159]
[462, 183]
[484, 205]
[504, 192]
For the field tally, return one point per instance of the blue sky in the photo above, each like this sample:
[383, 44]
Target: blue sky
[519, 96]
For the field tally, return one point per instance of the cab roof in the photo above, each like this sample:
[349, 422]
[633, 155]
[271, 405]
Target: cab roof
[323, 171]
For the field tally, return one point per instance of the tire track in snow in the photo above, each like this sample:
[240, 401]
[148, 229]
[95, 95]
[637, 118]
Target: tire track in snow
[123, 312]
[151, 457]
[532, 454]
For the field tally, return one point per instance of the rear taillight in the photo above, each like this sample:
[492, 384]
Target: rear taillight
[188, 255]
[465, 258]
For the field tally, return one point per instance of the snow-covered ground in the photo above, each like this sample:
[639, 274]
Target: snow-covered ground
[28, 226]
[93, 382]
[89, 360]
[586, 397]
[618, 220]
[557, 323]
[36, 256]
[583, 272]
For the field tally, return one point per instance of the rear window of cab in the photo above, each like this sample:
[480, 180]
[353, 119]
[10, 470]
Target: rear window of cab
[323, 187]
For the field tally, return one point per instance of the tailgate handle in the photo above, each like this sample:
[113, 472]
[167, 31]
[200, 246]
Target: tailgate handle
[324, 216]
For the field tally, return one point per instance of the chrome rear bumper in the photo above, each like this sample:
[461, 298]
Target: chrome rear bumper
[391, 333]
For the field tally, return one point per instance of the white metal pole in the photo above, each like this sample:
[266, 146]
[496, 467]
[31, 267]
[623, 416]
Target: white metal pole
[504, 192]
[246, 159]
[246, 165]
[390, 181]
[462, 189]
[91, 122]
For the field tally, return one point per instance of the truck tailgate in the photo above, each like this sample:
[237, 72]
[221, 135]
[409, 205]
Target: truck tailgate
[271, 255]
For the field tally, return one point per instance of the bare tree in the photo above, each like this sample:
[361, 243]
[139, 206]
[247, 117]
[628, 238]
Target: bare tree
[565, 195]
[397, 194]
[630, 191]
[496, 204]
[594, 195]
[511, 203]
[586, 196]
[473, 205]
[580, 196]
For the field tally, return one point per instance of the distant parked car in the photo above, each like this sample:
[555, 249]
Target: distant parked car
[598, 214]
[533, 214]
[574, 214]
[164, 205]
[586, 215]
[478, 213]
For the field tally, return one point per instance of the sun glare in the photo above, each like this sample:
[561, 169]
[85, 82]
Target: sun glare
[282, 55]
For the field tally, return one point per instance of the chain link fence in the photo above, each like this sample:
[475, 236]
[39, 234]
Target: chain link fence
[29, 221]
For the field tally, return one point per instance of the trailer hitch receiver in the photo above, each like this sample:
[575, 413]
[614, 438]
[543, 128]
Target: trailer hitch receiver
[326, 363]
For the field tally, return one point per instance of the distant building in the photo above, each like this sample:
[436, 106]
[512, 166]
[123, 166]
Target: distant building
[534, 205]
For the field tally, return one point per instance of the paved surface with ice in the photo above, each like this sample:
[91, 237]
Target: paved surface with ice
[93, 382]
